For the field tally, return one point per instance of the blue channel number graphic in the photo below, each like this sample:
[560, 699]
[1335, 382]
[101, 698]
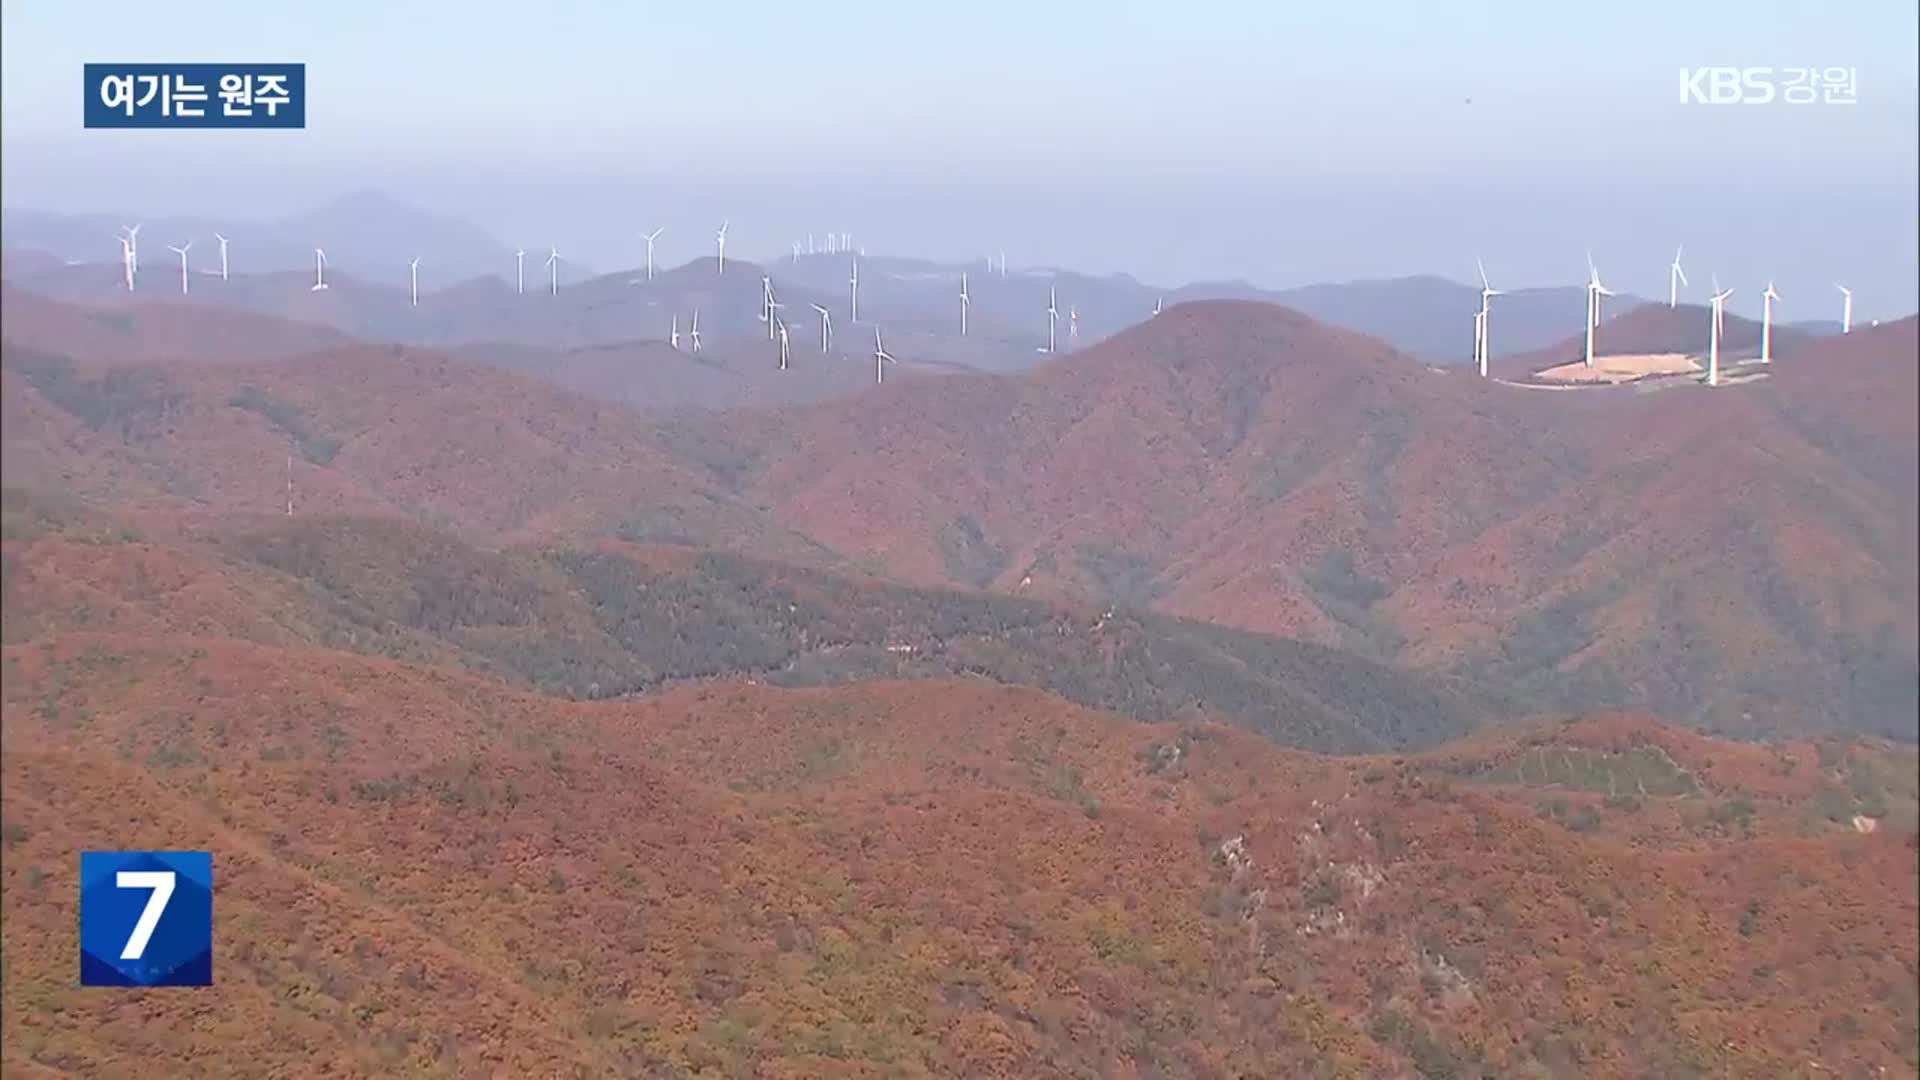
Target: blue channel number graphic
[146, 918]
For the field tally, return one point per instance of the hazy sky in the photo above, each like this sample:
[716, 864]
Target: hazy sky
[1285, 143]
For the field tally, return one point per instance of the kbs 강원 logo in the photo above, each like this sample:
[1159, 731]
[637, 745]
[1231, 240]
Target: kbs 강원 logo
[146, 918]
[1765, 85]
[195, 96]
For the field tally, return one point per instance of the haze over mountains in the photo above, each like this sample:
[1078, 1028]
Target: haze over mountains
[370, 237]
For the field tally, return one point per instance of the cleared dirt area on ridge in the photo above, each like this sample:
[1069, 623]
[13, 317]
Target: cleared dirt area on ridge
[1622, 368]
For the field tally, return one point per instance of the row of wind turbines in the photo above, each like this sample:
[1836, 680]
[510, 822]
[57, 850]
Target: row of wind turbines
[776, 327]
[1676, 277]
[841, 243]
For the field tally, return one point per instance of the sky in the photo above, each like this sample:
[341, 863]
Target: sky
[1281, 143]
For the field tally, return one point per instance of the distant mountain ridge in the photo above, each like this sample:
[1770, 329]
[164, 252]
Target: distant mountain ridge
[365, 233]
[370, 237]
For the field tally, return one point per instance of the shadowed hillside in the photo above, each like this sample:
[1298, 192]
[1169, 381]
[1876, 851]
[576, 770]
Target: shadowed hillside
[619, 620]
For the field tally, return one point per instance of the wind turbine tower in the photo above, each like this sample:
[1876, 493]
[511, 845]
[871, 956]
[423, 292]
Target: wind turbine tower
[854, 284]
[413, 277]
[1053, 317]
[651, 237]
[721, 239]
[965, 303]
[1595, 291]
[553, 272]
[1676, 277]
[520, 271]
[1713, 337]
[182, 252]
[1487, 293]
[1846, 309]
[826, 327]
[696, 329]
[880, 358]
[1766, 323]
[223, 255]
[319, 270]
[783, 341]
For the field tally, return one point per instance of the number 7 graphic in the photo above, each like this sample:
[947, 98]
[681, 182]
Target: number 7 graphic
[161, 882]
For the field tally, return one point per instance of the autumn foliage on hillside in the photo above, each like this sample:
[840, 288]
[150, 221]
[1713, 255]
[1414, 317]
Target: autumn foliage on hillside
[1740, 560]
[972, 726]
[419, 870]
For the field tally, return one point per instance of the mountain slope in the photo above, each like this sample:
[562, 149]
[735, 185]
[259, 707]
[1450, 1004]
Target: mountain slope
[928, 878]
[1244, 465]
[619, 619]
[1741, 558]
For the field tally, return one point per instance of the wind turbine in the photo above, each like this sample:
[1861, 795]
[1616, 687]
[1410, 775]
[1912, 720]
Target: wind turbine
[182, 252]
[1713, 339]
[413, 276]
[1480, 339]
[1053, 317]
[782, 323]
[1073, 325]
[126, 260]
[520, 270]
[319, 270]
[826, 327]
[855, 284]
[1156, 304]
[651, 237]
[1766, 323]
[1598, 289]
[1846, 310]
[133, 245]
[771, 305]
[1676, 277]
[553, 271]
[880, 358]
[965, 303]
[1487, 293]
[722, 239]
[223, 255]
[696, 329]
[674, 338]
[1595, 291]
